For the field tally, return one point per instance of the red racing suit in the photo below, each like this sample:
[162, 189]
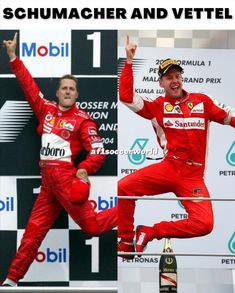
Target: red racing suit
[181, 127]
[64, 135]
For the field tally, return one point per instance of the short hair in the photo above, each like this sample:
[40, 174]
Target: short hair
[68, 76]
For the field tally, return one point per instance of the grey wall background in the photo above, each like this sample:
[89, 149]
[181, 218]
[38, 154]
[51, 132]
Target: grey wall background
[145, 280]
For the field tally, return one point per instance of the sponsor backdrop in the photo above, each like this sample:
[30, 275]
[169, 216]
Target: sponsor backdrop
[206, 71]
[67, 256]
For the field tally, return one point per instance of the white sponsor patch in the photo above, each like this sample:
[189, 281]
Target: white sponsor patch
[170, 109]
[199, 108]
[55, 148]
[49, 123]
[96, 145]
[69, 125]
[184, 123]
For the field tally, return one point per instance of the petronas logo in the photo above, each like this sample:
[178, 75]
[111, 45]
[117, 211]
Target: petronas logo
[230, 156]
[180, 204]
[138, 155]
[231, 243]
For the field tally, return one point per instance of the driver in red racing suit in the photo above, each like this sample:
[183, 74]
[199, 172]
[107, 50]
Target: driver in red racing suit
[66, 131]
[180, 121]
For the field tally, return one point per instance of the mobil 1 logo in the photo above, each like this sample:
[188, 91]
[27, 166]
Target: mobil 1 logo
[93, 258]
[94, 52]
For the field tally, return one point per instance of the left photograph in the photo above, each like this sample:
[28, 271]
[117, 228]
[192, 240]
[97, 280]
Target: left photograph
[58, 172]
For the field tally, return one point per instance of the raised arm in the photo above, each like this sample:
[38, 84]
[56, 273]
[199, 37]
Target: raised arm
[10, 46]
[130, 50]
[26, 81]
[126, 86]
[126, 91]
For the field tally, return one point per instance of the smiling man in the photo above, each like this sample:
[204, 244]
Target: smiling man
[172, 80]
[181, 121]
[66, 131]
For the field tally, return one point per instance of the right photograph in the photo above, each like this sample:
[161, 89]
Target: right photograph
[176, 161]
